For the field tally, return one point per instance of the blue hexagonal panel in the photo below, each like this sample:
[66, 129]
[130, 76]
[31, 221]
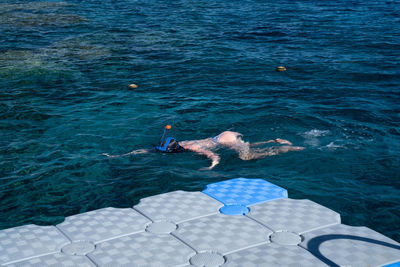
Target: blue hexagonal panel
[245, 192]
[234, 210]
[396, 264]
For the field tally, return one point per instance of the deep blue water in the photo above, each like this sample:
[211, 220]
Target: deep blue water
[204, 67]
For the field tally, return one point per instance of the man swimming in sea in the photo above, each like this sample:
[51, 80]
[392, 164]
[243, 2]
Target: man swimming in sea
[227, 139]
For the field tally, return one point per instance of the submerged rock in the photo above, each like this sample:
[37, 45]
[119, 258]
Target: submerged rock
[79, 48]
[57, 59]
[15, 55]
[25, 65]
[33, 6]
[23, 19]
[33, 14]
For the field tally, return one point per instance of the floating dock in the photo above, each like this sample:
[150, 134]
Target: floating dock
[240, 222]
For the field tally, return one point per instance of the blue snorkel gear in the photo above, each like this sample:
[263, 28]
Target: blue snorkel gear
[168, 144]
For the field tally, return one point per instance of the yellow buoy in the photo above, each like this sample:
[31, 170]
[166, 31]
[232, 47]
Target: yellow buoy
[133, 86]
[281, 68]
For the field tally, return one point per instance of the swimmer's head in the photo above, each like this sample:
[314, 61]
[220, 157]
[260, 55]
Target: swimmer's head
[170, 145]
[173, 146]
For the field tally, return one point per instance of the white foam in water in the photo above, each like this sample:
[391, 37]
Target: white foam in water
[316, 133]
[314, 142]
[333, 146]
[311, 137]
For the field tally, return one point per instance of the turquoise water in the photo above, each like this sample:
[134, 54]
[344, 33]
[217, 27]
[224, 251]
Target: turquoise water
[204, 67]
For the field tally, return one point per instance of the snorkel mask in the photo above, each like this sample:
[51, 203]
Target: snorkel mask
[168, 144]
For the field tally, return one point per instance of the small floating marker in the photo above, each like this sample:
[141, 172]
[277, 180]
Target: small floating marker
[133, 86]
[281, 68]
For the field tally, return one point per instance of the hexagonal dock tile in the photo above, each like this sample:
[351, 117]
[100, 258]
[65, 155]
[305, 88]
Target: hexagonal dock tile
[55, 260]
[29, 241]
[178, 206]
[222, 233]
[293, 215]
[142, 249]
[103, 224]
[343, 245]
[246, 192]
[272, 255]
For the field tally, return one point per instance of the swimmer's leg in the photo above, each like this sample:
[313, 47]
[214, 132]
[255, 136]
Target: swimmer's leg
[262, 143]
[277, 140]
[262, 153]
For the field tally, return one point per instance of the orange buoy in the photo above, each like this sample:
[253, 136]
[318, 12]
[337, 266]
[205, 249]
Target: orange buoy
[168, 127]
[281, 68]
[133, 86]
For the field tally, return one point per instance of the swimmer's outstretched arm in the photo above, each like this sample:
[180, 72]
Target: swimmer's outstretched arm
[134, 152]
[277, 140]
[209, 154]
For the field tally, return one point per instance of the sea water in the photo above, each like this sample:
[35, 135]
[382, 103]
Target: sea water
[203, 67]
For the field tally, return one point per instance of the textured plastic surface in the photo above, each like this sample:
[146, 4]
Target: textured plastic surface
[273, 255]
[285, 238]
[351, 246]
[207, 259]
[27, 241]
[292, 215]
[178, 206]
[143, 249]
[222, 233]
[246, 192]
[55, 260]
[79, 248]
[161, 227]
[103, 224]
[185, 229]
